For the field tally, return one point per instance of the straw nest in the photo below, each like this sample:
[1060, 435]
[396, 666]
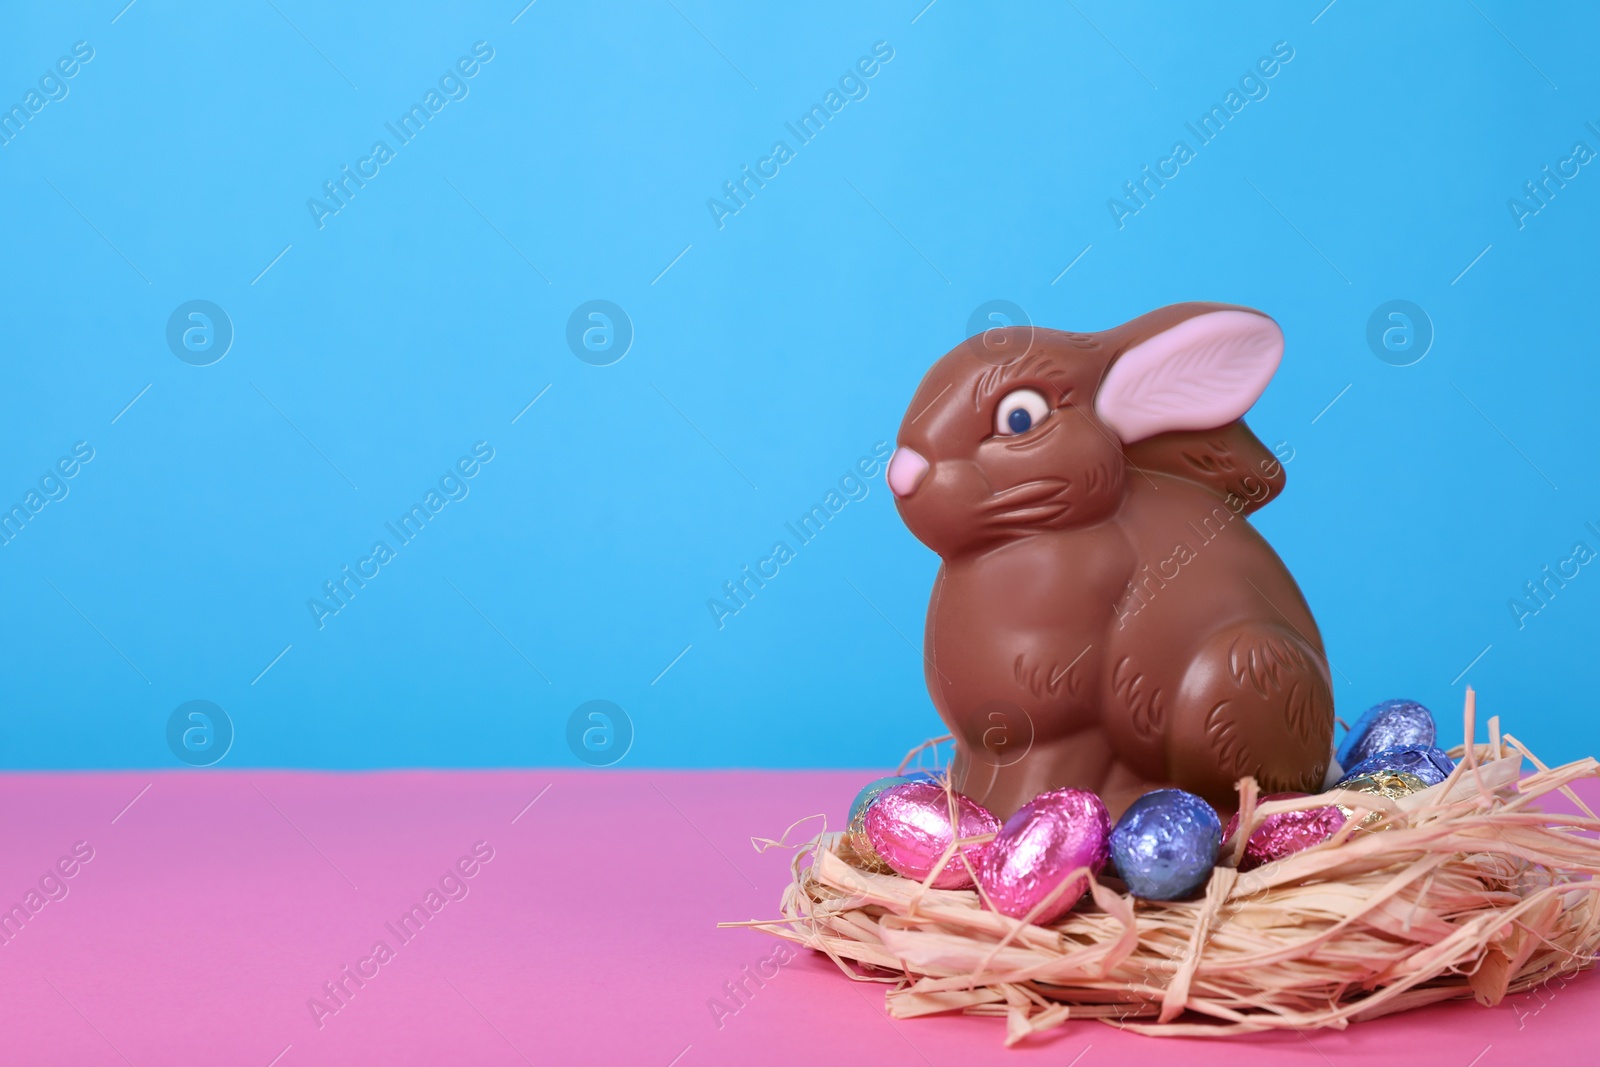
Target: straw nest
[1464, 889]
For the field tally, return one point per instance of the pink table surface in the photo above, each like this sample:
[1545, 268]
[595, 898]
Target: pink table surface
[216, 905]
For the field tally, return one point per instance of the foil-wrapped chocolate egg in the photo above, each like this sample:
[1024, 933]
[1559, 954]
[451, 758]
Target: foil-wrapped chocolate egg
[1287, 832]
[908, 827]
[1039, 847]
[1391, 724]
[1430, 764]
[1165, 844]
[863, 854]
[1391, 784]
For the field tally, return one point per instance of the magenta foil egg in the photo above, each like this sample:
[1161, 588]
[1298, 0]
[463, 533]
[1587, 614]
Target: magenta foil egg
[909, 827]
[1048, 838]
[1285, 833]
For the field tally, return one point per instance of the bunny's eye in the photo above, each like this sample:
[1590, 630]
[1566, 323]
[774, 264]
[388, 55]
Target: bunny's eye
[1020, 411]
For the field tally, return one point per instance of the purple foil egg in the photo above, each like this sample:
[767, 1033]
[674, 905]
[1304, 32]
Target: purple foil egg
[1165, 844]
[1430, 764]
[1048, 838]
[1285, 833]
[909, 827]
[1392, 724]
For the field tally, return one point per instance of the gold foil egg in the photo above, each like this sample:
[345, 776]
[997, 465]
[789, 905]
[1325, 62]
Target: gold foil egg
[1390, 784]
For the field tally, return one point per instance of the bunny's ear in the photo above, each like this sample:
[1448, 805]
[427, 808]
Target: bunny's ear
[1203, 373]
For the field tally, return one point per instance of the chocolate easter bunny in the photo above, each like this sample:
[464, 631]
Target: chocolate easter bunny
[1105, 617]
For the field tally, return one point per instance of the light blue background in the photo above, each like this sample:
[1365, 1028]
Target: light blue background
[774, 353]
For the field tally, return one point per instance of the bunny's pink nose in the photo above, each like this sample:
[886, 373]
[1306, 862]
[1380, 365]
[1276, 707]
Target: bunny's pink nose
[906, 469]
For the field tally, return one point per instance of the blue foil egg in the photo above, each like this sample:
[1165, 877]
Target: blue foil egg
[870, 792]
[1165, 844]
[856, 828]
[1392, 724]
[1426, 762]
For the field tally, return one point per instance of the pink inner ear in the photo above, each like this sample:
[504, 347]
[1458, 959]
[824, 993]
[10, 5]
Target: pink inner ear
[1203, 373]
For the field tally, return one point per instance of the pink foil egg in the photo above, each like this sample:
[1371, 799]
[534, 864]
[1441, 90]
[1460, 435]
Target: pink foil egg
[909, 827]
[1285, 833]
[1048, 838]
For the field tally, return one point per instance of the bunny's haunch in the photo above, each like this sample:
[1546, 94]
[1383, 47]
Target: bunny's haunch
[1084, 492]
